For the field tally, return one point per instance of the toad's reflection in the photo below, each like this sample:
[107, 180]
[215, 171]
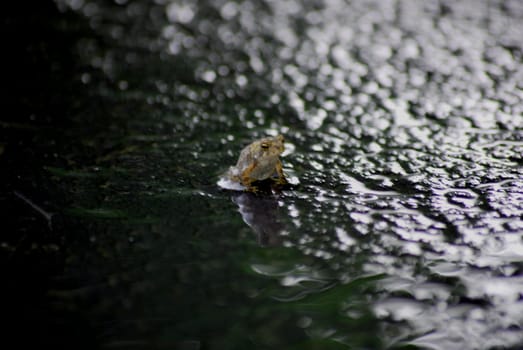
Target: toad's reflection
[261, 214]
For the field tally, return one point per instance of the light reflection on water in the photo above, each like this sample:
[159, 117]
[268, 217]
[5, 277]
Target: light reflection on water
[406, 124]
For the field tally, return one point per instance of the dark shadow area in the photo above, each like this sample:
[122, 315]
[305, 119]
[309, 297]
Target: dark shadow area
[37, 101]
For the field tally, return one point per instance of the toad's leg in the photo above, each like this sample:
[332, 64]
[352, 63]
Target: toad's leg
[245, 177]
[247, 183]
[281, 176]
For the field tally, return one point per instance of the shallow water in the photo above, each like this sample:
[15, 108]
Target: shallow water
[404, 130]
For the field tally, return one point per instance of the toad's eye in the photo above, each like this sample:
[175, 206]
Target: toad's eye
[264, 145]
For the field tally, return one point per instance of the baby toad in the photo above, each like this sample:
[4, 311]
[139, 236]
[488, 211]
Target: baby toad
[259, 161]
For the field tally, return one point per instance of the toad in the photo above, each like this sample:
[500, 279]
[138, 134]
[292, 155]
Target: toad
[259, 161]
